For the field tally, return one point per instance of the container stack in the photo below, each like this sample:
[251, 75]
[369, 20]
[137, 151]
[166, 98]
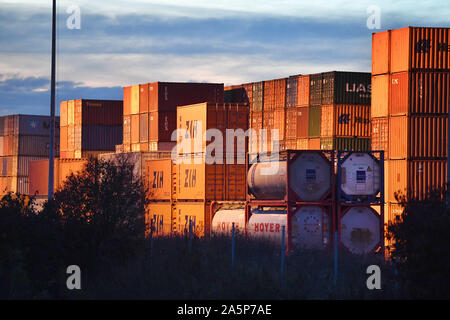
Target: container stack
[23, 138]
[411, 82]
[339, 111]
[328, 111]
[199, 179]
[149, 114]
[90, 127]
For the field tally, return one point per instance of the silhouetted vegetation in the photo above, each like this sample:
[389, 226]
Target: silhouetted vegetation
[421, 246]
[97, 222]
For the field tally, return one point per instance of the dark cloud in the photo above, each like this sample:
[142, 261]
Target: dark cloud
[32, 95]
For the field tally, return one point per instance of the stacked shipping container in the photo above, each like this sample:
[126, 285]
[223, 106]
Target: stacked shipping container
[90, 127]
[321, 111]
[23, 138]
[149, 114]
[199, 180]
[339, 111]
[411, 82]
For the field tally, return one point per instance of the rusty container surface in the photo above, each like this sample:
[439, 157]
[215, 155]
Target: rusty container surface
[302, 122]
[303, 91]
[63, 113]
[381, 52]
[417, 48]
[126, 101]
[167, 96]
[380, 96]
[419, 93]
[291, 123]
[258, 96]
[197, 214]
[158, 214]
[158, 179]
[416, 178]
[380, 135]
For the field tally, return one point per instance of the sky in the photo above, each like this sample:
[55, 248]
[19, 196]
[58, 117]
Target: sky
[121, 43]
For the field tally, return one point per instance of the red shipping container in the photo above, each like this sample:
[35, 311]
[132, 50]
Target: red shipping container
[162, 125]
[167, 96]
[143, 98]
[302, 122]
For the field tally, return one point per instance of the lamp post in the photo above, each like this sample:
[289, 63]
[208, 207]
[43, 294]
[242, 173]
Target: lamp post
[52, 106]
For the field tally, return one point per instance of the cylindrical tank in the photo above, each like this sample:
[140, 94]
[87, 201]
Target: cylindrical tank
[267, 180]
[222, 222]
[360, 175]
[309, 178]
[360, 229]
[268, 224]
[311, 227]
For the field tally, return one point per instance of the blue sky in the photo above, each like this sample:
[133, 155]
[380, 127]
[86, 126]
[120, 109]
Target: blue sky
[122, 43]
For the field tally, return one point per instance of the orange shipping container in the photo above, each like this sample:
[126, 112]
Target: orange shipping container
[195, 213]
[134, 99]
[302, 144]
[63, 113]
[380, 52]
[418, 137]
[416, 178]
[314, 144]
[419, 93]
[303, 91]
[274, 94]
[126, 101]
[380, 96]
[143, 98]
[196, 119]
[279, 122]
[63, 138]
[160, 214]
[134, 128]
[159, 179]
[302, 122]
[345, 121]
[420, 48]
[291, 124]
[380, 135]
[410, 49]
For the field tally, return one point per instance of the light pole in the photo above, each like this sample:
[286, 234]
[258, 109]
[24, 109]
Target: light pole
[52, 107]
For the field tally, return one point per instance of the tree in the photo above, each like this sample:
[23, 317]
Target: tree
[103, 210]
[421, 246]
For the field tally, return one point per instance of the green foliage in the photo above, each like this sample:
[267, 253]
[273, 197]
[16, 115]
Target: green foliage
[421, 246]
